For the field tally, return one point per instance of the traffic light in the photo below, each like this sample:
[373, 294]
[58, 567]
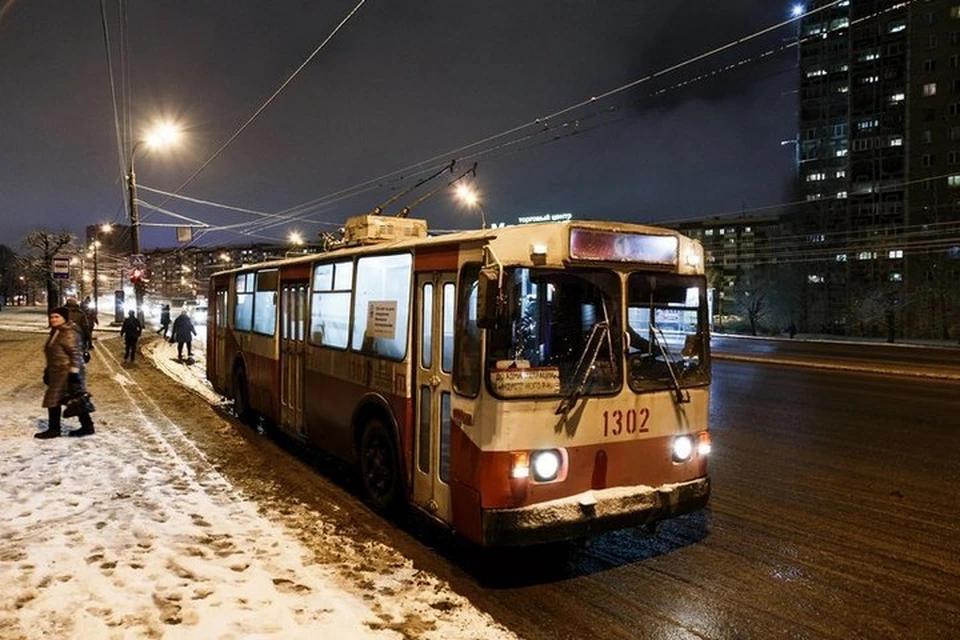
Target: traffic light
[136, 275]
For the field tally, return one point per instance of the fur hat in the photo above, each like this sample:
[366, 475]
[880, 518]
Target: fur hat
[63, 312]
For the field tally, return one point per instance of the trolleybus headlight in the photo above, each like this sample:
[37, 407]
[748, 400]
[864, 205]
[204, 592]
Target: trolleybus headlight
[545, 465]
[682, 448]
[703, 448]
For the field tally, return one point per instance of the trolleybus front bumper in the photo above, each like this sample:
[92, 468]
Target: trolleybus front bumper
[592, 512]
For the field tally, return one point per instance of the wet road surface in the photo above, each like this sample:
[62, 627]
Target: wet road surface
[835, 514]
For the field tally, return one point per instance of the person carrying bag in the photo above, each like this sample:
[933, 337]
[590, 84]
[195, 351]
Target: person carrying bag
[64, 375]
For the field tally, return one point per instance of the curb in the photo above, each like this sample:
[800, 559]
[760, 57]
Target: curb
[915, 373]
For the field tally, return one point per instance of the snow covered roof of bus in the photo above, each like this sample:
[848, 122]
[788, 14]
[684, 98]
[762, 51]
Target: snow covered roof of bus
[510, 234]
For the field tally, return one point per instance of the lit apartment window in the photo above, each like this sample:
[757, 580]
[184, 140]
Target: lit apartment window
[896, 141]
[895, 253]
[841, 195]
[930, 89]
[896, 277]
[841, 68]
[897, 97]
[816, 73]
[868, 124]
[841, 173]
[814, 278]
[721, 231]
[955, 12]
[866, 255]
[747, 230]
[840, 153]
[869, 79]
[843, 89]
[841, 257]
[708, 232]
[839, 23]
[953, 181]
[816, 177]
[897, 26]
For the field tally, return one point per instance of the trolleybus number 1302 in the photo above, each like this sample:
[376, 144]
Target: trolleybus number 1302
[632, 421]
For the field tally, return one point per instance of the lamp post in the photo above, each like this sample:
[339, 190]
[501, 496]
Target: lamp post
[469, 197]
[161, 136]
[95, 247]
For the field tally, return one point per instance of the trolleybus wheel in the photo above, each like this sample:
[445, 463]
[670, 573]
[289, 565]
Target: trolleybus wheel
[378, 466]
[241, 399]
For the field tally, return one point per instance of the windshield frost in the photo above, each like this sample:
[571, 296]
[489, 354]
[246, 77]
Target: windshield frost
[539, 348]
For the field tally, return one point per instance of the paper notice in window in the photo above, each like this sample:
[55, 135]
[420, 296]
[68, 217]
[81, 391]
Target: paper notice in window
[382, 319]
[514, 383]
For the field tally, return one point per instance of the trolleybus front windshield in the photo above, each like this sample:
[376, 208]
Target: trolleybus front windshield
[667, 325]
[560, 334]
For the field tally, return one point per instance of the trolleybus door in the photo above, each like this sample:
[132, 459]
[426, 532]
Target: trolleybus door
[220, 322]
[434, 365]
[293, 314]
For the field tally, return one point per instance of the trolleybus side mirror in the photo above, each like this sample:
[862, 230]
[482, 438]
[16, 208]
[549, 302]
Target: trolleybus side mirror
[489, 301]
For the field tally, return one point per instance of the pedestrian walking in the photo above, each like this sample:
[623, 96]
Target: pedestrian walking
[93, 318]
[130, 332]
[79, 319]
[63, 375]
[164, 320]
[183, 332]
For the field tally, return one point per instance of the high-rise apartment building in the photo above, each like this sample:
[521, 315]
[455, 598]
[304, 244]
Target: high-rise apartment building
[879, 166]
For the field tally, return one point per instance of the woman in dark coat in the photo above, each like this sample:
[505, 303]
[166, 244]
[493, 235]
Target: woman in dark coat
[183, 332]
[64, 372]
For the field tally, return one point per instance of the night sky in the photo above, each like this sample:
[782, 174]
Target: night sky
[401, 83]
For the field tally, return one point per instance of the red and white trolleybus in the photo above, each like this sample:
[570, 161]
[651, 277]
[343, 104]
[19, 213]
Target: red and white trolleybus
[519, 385]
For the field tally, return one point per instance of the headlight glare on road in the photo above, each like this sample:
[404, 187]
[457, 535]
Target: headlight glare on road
[545, 464]
[682, 448]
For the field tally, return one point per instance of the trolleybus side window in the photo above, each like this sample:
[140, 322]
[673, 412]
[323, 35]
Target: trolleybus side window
[466, 367]
[560, 334]
[265, 302]
[243, 309]
[666, 322]
[330, 308]
[381, 309]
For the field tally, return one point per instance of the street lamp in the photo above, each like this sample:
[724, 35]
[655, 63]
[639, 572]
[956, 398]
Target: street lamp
[162, 135]
[471, 198]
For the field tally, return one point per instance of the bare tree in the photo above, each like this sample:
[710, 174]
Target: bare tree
[41, 247]
[751, 295]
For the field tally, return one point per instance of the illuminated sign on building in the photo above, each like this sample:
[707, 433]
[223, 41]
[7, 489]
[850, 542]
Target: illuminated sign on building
[545, 217]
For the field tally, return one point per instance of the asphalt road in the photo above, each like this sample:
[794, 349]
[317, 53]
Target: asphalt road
[940, 361]
[835, 514]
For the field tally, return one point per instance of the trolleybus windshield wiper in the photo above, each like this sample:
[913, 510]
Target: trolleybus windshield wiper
[588, 357]
[661, 341]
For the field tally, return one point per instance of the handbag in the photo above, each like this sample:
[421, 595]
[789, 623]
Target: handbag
[77, 403]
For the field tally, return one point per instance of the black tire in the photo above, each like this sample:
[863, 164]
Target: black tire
[241, 397]
[379, 467]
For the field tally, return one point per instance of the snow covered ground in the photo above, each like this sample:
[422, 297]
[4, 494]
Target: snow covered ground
[131, 533]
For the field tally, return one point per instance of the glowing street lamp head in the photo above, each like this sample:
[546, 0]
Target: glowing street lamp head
[467, 194]
[163, 134]
[106, 228]
[797, 10]
[296, 238]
